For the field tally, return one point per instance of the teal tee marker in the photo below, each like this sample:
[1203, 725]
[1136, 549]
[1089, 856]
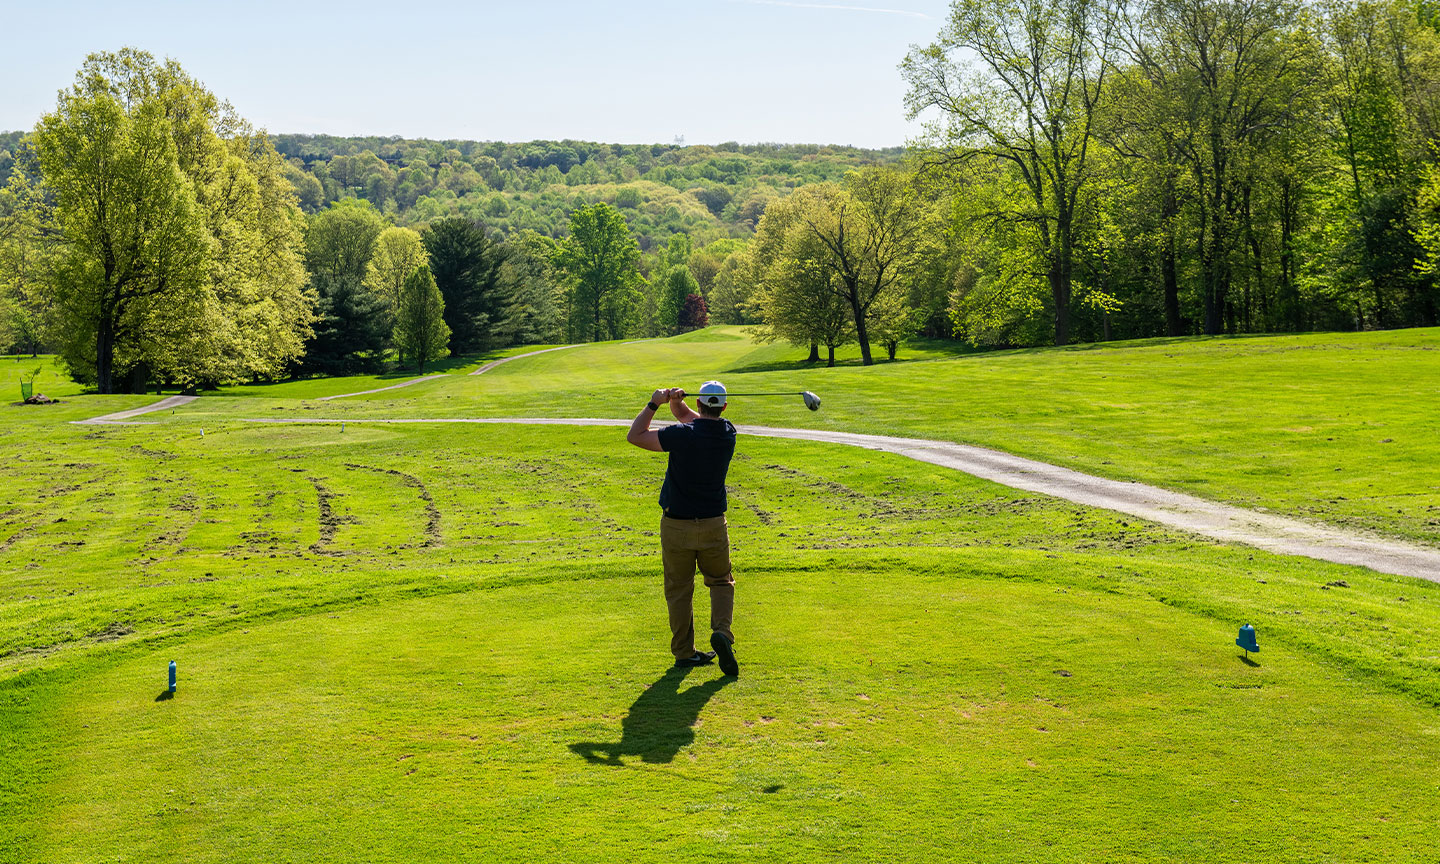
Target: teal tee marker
[172, 676]
[1246, 640]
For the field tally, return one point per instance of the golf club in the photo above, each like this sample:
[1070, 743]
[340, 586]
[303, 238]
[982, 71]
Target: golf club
[811, 400]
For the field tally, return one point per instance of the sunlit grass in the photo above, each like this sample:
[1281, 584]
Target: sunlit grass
[448, 642]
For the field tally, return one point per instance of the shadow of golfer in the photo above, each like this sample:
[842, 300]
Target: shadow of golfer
[660, 722]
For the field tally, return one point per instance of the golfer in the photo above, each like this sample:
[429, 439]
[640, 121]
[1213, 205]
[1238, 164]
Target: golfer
[693, 530]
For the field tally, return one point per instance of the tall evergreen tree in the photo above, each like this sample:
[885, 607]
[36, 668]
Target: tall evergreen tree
[351, 332]
[468, 267]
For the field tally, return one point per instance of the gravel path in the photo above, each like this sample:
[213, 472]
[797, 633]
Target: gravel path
[381, 389]
[1222, 522]
[483, 369]
[493, 363]
[120, 418]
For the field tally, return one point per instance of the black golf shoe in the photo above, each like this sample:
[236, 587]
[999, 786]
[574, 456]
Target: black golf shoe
[725, 650]
[699, 658]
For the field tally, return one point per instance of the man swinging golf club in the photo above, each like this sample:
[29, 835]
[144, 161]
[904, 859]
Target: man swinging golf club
[693, 530]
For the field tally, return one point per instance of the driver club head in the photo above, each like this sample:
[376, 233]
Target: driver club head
[811, 400]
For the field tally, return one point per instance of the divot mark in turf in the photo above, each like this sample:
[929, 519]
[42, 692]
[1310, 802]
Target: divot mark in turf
[432, 513]
[16, 537]
[329, 522]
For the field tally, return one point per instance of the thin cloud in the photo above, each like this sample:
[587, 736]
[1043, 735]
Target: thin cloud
[906, 12]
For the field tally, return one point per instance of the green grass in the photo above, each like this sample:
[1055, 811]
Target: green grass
[1344, 428]
[311, 388]
[52, 381]
[401, 643]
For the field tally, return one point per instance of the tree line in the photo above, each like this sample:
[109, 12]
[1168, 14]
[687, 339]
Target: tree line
[1170, 167]
[1089, 170]
[151, 237]
[1102, 169]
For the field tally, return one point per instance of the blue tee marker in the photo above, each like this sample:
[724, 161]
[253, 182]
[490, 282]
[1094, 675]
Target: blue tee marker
[172, 676]
[1246, 640]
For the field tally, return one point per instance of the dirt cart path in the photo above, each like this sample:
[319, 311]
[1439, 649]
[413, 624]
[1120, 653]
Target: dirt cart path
[121, 418]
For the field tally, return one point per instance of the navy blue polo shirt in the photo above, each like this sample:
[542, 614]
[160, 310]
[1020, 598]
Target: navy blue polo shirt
[700, 454]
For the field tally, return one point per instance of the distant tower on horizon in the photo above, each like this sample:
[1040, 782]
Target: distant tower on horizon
[679, 140]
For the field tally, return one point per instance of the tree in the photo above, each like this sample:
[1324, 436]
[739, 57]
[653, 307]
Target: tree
[421, 334]
[675, 285]
[1029, 101]
[340, 239]
[797, 297]
[693, 315]
[731, 300]
[134, 237]
[868, 234]
[599, 263]
[706, 262]
[308, 191]
[1225, 76]
[27, 257]
[354, 323]
[799, 302]
[397, 253]
[177, 234]
[469, 268]
[892, 321]
[350, 328]
[535, 312]
[1384, 75]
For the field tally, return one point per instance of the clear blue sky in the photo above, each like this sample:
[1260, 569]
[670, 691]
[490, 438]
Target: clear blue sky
[810, 71]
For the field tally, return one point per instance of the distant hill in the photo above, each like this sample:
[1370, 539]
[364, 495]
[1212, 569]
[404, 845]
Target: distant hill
[707, 192]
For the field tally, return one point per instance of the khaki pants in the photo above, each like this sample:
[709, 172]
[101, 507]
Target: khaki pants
[684, 543]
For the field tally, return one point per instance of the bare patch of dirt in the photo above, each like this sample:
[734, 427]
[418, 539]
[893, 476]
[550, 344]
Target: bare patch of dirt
[17, 536]
[153, 454]
[329, 522]
[111, 632]
[67, 488]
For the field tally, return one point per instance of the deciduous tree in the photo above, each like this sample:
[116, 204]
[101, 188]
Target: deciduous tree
[421, 334]
[599, 261]
[1020, 81]
[398, 252]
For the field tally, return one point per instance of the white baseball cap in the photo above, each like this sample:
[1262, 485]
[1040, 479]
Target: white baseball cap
[712, 393]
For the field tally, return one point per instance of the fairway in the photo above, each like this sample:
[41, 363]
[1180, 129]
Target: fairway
[447, 642]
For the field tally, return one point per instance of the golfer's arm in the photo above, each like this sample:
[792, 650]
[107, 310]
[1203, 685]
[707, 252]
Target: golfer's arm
[684, 413]
[640, 433]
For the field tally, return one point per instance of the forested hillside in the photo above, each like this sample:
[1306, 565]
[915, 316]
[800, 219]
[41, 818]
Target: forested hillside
[1083, 172]
[663, 189]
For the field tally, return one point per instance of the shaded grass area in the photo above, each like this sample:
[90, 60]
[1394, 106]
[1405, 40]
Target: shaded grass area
[405, 641]
[1343, 428]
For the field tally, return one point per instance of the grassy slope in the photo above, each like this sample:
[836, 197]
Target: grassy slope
[52, 381]
[1340, 427]
[384, 680]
